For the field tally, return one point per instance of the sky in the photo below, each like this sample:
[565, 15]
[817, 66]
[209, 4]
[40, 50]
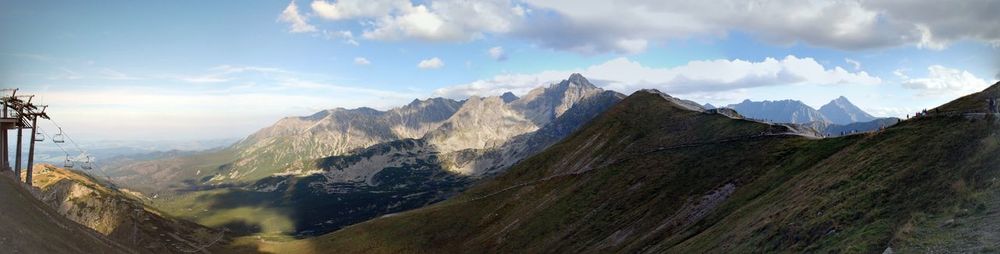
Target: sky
[190, 70]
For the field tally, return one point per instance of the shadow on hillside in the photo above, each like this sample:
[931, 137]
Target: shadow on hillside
[241, 227]
[315, 207]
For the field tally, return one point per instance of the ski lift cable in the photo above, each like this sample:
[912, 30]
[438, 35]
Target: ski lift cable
[68, 137]
[83, 152]
[67, 163]
[57, 144]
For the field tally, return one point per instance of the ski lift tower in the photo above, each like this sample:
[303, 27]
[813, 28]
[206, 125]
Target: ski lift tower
[18, 114]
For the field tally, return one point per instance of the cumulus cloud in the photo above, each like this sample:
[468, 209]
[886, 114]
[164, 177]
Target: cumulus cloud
[938, 23]
[630, 26]
[361, 61]
[440, 20]
[709, 76]
[433, 63]
[944, 81]
[296, 21]
[497, 53]
[602, 26]
[348, 9]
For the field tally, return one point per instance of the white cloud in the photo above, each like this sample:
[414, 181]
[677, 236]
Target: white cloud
[433, 63]
[944, 81]
[497, 53]
[630, 26]
[600, 26]
[695, 77]
[900, 112]
[298, 22]
[349, 9]
[361, 61]
[440, 20]
[346, 36]
[855, 63]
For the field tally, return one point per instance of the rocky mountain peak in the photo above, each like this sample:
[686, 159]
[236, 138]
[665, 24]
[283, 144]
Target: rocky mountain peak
[842, 111]
[579, 80]
[543, 104]
[509, 97]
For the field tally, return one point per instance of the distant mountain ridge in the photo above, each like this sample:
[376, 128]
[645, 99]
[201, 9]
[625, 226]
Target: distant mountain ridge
[838, 111]
[838, 117]
[783, 111]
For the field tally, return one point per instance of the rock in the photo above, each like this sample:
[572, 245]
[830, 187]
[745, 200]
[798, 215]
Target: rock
[888, 250]
[949, 222]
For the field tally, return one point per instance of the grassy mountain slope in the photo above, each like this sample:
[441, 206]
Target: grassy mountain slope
[30, 226]
[648, 176]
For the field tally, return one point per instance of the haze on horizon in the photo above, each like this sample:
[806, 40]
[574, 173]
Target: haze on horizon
[186, 70]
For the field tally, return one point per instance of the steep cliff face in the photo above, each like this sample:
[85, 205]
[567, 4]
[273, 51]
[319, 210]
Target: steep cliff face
[333, 132]
[120, 216]
[31, 226]
[480, 123]
[493, 121]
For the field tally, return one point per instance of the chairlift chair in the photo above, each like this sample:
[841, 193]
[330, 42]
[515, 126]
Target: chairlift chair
[68, 163]
[58, 138]
[39, 137]
[87, 164]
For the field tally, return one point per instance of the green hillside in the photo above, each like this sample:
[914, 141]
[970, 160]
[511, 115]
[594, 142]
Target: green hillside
[649, 176]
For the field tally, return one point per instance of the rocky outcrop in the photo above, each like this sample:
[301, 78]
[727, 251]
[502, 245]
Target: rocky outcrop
[118, 215]
[333, 132]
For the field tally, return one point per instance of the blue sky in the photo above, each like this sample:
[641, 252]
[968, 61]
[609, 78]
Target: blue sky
[200, 70]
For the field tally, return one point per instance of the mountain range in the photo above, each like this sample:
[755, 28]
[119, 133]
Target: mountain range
[839, 111]
[339, 167]
[653, 176]
[836, 118]
[574, 168]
